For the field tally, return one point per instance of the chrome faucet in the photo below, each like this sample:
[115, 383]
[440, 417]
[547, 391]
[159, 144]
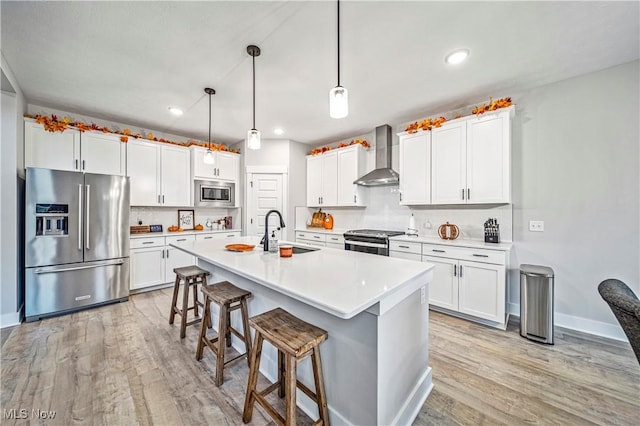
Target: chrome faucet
[265, 239]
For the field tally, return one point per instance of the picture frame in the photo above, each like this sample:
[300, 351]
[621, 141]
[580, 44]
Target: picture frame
[186, 219]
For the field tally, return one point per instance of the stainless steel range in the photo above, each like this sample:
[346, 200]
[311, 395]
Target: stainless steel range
[372, 241]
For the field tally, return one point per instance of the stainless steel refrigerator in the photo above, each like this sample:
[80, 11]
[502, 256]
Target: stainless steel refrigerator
[76, 241]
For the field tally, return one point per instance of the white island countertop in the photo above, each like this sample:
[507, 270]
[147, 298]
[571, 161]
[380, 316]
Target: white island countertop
[342, 283]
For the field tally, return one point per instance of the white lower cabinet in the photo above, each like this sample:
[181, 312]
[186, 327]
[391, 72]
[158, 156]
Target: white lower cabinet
[465, 280]
[152, 260]
[335, 241]
[318, 239]
[218, 236]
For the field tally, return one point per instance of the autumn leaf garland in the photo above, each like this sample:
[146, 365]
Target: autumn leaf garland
[54, 124]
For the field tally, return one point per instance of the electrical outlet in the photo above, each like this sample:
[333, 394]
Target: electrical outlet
[423, 295]
[427, 225]
[536, 225]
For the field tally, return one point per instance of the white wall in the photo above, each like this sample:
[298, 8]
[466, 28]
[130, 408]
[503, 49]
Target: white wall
[575, 166]
[12, 108]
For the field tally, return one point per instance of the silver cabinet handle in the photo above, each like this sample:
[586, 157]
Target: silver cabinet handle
[404, 246]
[401, 196]
[230, 235]
[468, 194]
[354, 199]
[460, 271]
[463, 193]
[480, 255]
[208, 238]
[316, 236]
[79, 215]
[83, 165]
[455, 270]
[334, 239]
[182, 239]
[88, 215]
[158, 199]
[76, 167]
[438, 251]
[163, 254]
[148, 242]
[163, 199]
[167, 253]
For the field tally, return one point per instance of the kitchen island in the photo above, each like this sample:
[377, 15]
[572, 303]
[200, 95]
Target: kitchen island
[373, 307]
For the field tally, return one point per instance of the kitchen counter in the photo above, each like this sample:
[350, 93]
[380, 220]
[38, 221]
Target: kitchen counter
[374, 308]
[190, 232]
[506, 246]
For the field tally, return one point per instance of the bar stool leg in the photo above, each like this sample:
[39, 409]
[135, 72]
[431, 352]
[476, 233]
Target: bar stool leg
[227, 334]
[185, 307]
[249, 400]
[174, 300]
[290, 389]
[207, 317]
[244, 312]
[281, 374]
[319, 382]
[222, 329]
[203, 328]
[195, 299]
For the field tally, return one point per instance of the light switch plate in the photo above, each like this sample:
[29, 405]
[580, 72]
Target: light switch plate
[536, 225]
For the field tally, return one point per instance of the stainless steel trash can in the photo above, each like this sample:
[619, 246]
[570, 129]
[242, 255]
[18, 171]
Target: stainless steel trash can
[536, 303]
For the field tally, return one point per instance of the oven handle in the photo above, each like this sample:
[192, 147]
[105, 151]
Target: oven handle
[365, 244]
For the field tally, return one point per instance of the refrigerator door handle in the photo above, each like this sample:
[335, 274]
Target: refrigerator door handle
[87, 217]
[79, 216]
[54, 270]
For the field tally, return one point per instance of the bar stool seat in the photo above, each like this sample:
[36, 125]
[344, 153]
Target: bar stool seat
[229, 298]
[295, 340]
[192, 276]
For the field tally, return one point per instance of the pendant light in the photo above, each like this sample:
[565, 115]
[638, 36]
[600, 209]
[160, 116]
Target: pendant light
[209, 158]
[253, 135]
[338, 96]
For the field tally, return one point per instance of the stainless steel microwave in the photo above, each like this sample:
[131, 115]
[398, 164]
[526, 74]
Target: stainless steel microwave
[214, 194]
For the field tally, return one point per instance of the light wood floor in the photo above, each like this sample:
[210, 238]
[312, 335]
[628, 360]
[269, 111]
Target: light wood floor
[124, 364]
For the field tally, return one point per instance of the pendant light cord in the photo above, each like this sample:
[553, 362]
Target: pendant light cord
[209, 121]
[254, 90]
[338, 42]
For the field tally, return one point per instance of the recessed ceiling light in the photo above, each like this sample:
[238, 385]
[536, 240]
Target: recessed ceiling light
[456, 56]
[175, 110]
[278, 131]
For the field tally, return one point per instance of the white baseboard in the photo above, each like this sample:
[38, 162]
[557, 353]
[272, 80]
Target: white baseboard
[10, 319]
[585, 325]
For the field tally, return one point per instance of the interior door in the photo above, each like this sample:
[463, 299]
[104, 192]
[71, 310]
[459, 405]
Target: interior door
[265, 193]
[106, 225]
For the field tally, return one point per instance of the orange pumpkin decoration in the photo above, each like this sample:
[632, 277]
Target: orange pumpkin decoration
[328, 222]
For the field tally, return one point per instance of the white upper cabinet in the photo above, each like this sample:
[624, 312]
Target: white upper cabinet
[489, 159]
[91, 152]
[448, 169]
[225, 165]
[330, 177]
[415, 168]
[471, 160]
[352, 164]
[159, 174]
[103, 153]
[322, 180]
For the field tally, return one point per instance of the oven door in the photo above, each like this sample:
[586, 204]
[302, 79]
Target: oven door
[380, 248]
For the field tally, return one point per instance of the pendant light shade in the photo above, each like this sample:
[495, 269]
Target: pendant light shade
[338, 96]
[253, 135]
[209, 158]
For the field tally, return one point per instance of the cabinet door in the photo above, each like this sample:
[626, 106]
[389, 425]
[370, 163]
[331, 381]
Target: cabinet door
[351, 166]
[201, 170]
[176, 258]
[415, 168]
[147, 267]
[176, 177]
[227, 166]
[143, 169]
[329, 179]
[448, 164]
[51, 150]
[443, 289]
[482, 290]
[103, 153]
[488, 159]
[314, 180]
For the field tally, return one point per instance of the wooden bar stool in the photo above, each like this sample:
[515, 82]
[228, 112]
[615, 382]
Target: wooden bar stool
[192, 276]
[295, 340]
[229, 298]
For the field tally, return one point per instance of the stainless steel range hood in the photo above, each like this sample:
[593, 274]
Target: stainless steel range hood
[383, 173]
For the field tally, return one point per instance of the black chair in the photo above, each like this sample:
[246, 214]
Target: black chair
[626, 307]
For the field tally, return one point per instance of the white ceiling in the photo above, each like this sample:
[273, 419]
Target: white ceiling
[128, 61]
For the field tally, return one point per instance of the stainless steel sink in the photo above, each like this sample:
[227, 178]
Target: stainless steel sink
[301, 250]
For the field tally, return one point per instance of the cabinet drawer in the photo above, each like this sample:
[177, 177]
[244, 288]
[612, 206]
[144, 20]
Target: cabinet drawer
[335, 239]
[146, 242]
[180, 239]
[311, 236]
[405, 246]
[464, 253]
